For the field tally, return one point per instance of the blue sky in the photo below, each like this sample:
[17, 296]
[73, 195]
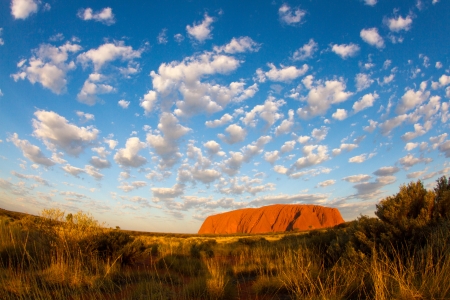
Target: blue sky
[154, 115]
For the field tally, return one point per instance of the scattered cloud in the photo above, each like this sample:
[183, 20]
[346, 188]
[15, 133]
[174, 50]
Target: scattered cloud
[290, 16]
[345, 50]
[306, 51]
[104, 16]
[22, 9]
[201, 31]
[239, 45]
[128, 156]
[372, 37]
[399, 23]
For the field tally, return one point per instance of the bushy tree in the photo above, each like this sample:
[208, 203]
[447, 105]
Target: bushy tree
[441, 209]
[409, 210]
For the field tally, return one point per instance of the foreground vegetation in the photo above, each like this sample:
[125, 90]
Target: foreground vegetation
[402, 254]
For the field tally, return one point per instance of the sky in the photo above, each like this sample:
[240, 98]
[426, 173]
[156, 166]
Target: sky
[153, 115]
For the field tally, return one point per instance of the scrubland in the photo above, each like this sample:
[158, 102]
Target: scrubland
[404, 253]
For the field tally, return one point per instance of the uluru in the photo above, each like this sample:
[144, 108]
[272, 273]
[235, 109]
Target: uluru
[272, 218]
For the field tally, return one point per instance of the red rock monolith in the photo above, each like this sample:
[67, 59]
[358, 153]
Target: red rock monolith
[272, 218]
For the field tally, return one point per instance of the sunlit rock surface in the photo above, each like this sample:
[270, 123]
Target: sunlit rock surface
[272, 218]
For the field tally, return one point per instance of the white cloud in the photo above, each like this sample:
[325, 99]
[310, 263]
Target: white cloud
[178, 37]
[286, 125]
[33, 177]
[123, 103]
[410, 160]
[128, 156]
[345, 51]
[255, 148]
[21, 9]
[239, 45]
[360, 158]
[435, 1]
[357, 178]
[386, 171]
[101, 151]
[411, 99]
[162, 36]
[388, 125]
[444, 80]
[74, 171]
[85, 117]
[99, 162]
[92, 171]
[232, 165]
[290, 16]
[108, 52]
[364, 102]
[340, 114]
[445, 148]
[92, 87]
[399, 23]
[201, 31]
[30, 151]
[285, 74]
[363, 81]
[272, 156]
[419, 130]
[48, 66]
[226, 118]
[344, 147]
[180, 82]
[370, 2]
[367, 190]
[127, 187]
[267, 111]
[166, 145]
[321, 96]
[168, 193]
[411, 146]
[326, 183]
[2, 42]
[288, 146]
[303, 139]
[104, 16]
[57, 133]
[236, 134]
[212, 147]
[306, 51]
[312, 158]
[148, 101]
[372, 37]
[438, 65]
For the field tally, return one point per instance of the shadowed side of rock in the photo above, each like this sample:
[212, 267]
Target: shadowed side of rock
[272, 218]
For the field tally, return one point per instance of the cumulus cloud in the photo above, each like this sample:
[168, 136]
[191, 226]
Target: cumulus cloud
[30, 151]
[370, 189]
[74, 171]
[411, 99]
[419, 130]
[321, 96]
[36, 178]
[123, 103]
[226, 118]
[232, 165]
[104, 16]
[167, 193]
[284, 74]
[306, 51]
[399, 23]
[272, 156]
[357, 178]
[166, 145]
[372, 37]
[148, 101]
[286, 125]
[48, 66]
[326, 183]
[364, 102]
[183, 79]
[445, 148]
[387, 126]
[99, 162]
[345, 50]
[362, 81]
[239, 45]
[344, 147]
[21, 9]
[201, 31]
[85, 117]
[57, 133]
[128, 156]
[288, 199]
[386, 171]
[410, 160]
[235, 135]
[92, 87]
[267, 111]
[312, 155]
[108, 52]
[127, 187]
[361, 158]
[340, 114]
[255, 148]
[289, 15]
[212, 147]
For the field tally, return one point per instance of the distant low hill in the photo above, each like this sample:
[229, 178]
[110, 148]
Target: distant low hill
[272, 218]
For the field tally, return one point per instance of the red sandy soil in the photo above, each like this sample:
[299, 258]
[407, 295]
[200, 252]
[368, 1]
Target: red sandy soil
[272, 218]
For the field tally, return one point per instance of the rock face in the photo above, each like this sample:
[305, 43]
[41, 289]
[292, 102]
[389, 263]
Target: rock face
[272, 218]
